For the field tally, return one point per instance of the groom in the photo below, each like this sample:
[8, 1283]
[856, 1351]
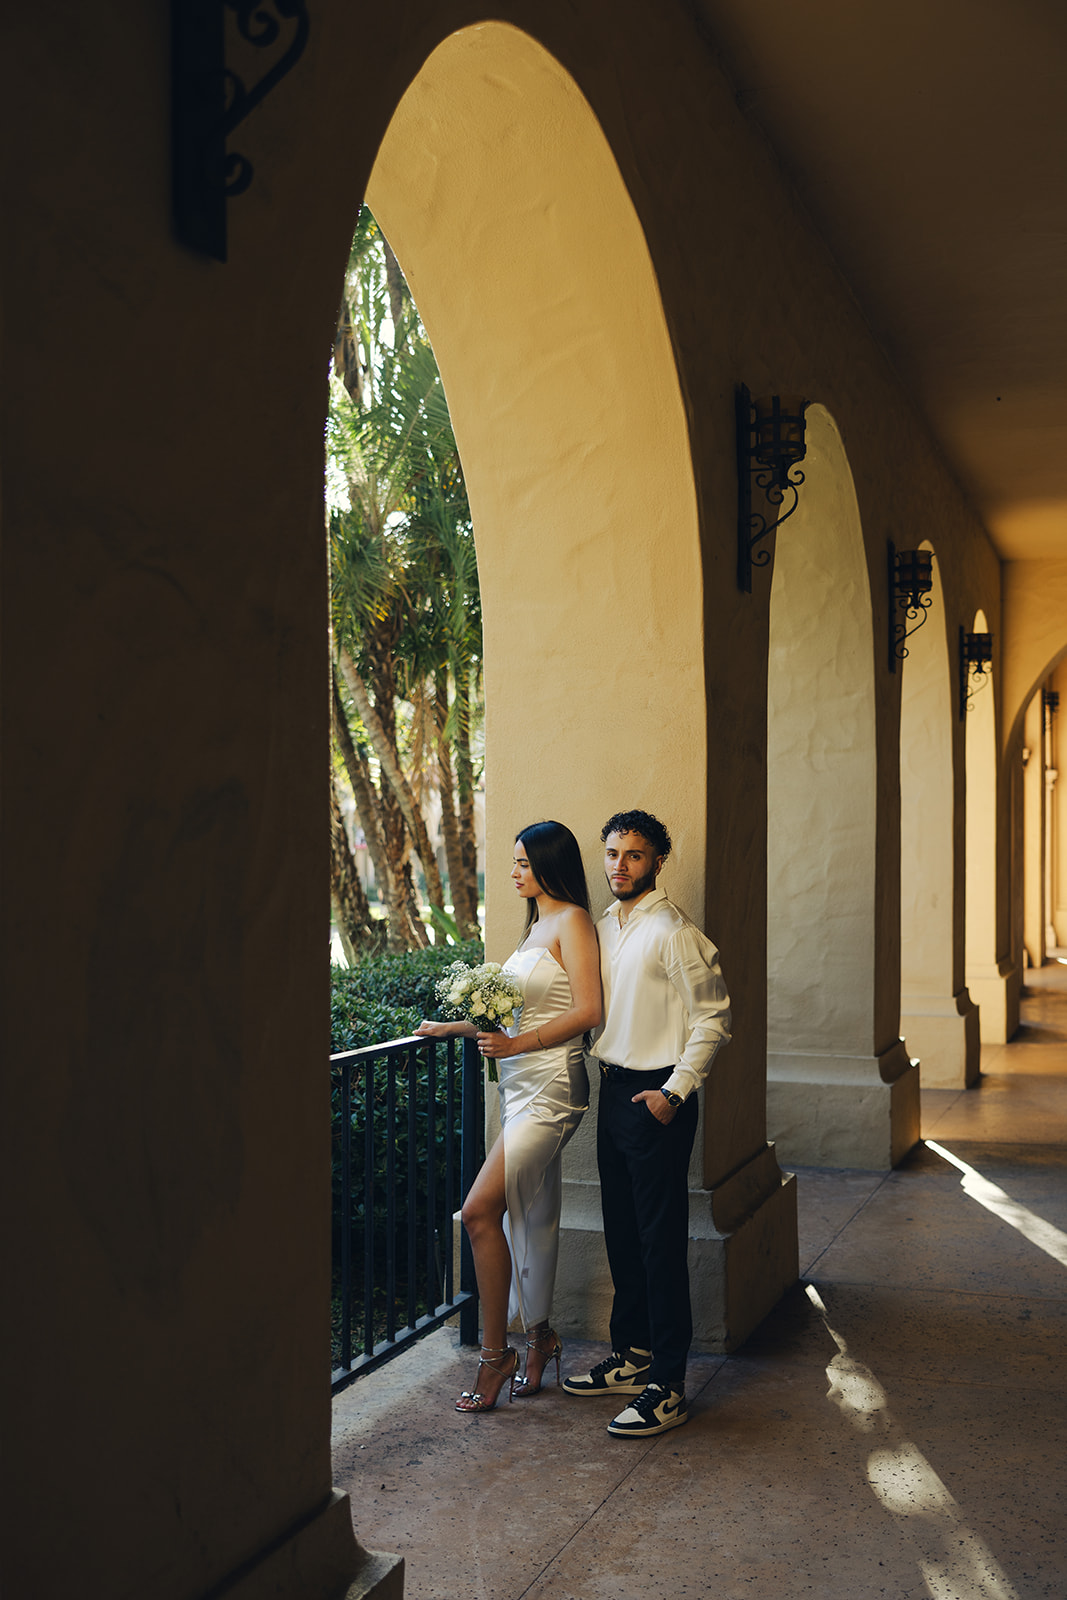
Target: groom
[666, 1012]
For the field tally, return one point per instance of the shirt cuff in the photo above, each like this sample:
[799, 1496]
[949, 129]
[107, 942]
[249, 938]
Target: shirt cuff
[682, 1082]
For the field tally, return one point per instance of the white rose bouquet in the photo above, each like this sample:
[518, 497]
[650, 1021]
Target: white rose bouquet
[484, 996]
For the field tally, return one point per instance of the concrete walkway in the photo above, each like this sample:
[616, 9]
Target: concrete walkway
[897, 1427]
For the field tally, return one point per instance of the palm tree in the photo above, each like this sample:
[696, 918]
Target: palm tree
[405, 612]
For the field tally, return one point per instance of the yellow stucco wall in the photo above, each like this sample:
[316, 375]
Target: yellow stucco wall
[821, 770]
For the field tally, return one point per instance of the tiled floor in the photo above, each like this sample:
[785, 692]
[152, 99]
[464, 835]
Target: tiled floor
[896, 1428]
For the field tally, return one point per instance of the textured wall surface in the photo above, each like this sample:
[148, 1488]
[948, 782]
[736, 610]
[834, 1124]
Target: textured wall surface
[927, 719]
[821, 766]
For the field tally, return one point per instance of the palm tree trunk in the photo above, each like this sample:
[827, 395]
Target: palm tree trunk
[464, 905]
[396, 286]
[465, 784]
[369, 805]
[385, 750]
[352, 912]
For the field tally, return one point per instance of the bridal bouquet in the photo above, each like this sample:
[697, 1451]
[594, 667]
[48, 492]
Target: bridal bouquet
[484, 996]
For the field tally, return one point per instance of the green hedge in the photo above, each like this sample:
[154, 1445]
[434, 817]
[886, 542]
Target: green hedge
[387, 996]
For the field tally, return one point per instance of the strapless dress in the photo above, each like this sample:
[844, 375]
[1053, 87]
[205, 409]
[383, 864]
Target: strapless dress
[542, 1097]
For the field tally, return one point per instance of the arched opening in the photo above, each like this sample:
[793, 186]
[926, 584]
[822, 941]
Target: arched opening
[827, 1102]
[503, 203]
[938, 1017]
[501, 199]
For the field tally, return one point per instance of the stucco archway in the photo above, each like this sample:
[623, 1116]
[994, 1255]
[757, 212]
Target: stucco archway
[502, 200]
[938, 1018]
[500, 196]
[829, 1099]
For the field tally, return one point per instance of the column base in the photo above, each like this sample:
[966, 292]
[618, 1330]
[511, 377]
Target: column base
[320, 1560]
[380, 1577]
[843, 1111]
[995, 991]
[742, 1256]
[943, 1033]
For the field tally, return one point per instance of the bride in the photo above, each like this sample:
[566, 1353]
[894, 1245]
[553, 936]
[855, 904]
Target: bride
[511, 1213]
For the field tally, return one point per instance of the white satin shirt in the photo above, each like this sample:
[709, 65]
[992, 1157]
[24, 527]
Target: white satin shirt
[665, 1001]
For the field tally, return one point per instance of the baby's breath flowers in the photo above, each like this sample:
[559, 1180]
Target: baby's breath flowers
[484, 996]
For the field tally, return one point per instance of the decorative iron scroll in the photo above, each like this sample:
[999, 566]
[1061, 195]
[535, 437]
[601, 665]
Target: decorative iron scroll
[911, 584]
[210, 100]
[976, 666]
[770, 441]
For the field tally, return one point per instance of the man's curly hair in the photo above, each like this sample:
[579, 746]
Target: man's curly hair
[642, 822]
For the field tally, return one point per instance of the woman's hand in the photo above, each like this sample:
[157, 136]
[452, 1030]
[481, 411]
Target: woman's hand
[497, 1046]
[442, 1030]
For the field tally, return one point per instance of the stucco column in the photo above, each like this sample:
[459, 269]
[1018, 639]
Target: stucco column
[837, 1093]
[1058, 899]
[163, 956]
[938, 1017]
[1034, 832]
[1050, 700]
[991, 975]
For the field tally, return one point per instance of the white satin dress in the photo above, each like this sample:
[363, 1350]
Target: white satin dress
[542, 1097]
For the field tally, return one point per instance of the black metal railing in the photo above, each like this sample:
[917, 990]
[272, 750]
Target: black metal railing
[408, 1131]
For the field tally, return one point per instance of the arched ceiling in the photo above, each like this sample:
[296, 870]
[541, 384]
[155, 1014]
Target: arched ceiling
[928, 140]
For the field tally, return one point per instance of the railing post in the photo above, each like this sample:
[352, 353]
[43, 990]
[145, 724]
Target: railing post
[472, 1139]
[345, 1202]
[368, 1206]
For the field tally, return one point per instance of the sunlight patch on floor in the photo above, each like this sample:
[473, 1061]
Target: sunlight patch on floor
[1052, 1240]
[954, 1561]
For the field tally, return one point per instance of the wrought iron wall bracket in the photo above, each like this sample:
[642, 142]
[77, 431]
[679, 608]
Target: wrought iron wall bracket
[776, 479]
[209, 100]
[976, 662]
[910, 597]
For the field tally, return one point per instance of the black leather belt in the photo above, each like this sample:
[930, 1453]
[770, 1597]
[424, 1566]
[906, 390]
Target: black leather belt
[652, 1078]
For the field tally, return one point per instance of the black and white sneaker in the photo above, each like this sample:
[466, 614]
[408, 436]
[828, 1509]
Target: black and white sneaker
[623, 1372]
[654, 1411]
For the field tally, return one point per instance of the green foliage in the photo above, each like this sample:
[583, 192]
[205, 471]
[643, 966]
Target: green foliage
[445, 925]
[387, 996]
[402, 552]
[405, 604]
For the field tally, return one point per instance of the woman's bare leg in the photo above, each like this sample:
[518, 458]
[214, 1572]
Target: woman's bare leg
[483, 1218]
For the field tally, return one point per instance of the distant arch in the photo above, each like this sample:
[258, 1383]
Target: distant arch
[1034, 603]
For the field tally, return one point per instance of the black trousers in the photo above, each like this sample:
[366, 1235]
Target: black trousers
[644, 1191]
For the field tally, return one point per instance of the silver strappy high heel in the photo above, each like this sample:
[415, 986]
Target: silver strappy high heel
[523, 1387]
[478, 1402]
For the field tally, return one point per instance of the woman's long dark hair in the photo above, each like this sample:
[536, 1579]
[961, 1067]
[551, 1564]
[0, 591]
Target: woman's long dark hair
[556, 863]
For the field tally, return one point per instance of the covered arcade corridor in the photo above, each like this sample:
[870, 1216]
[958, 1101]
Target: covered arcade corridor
[897, 1427]
[617, 218]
